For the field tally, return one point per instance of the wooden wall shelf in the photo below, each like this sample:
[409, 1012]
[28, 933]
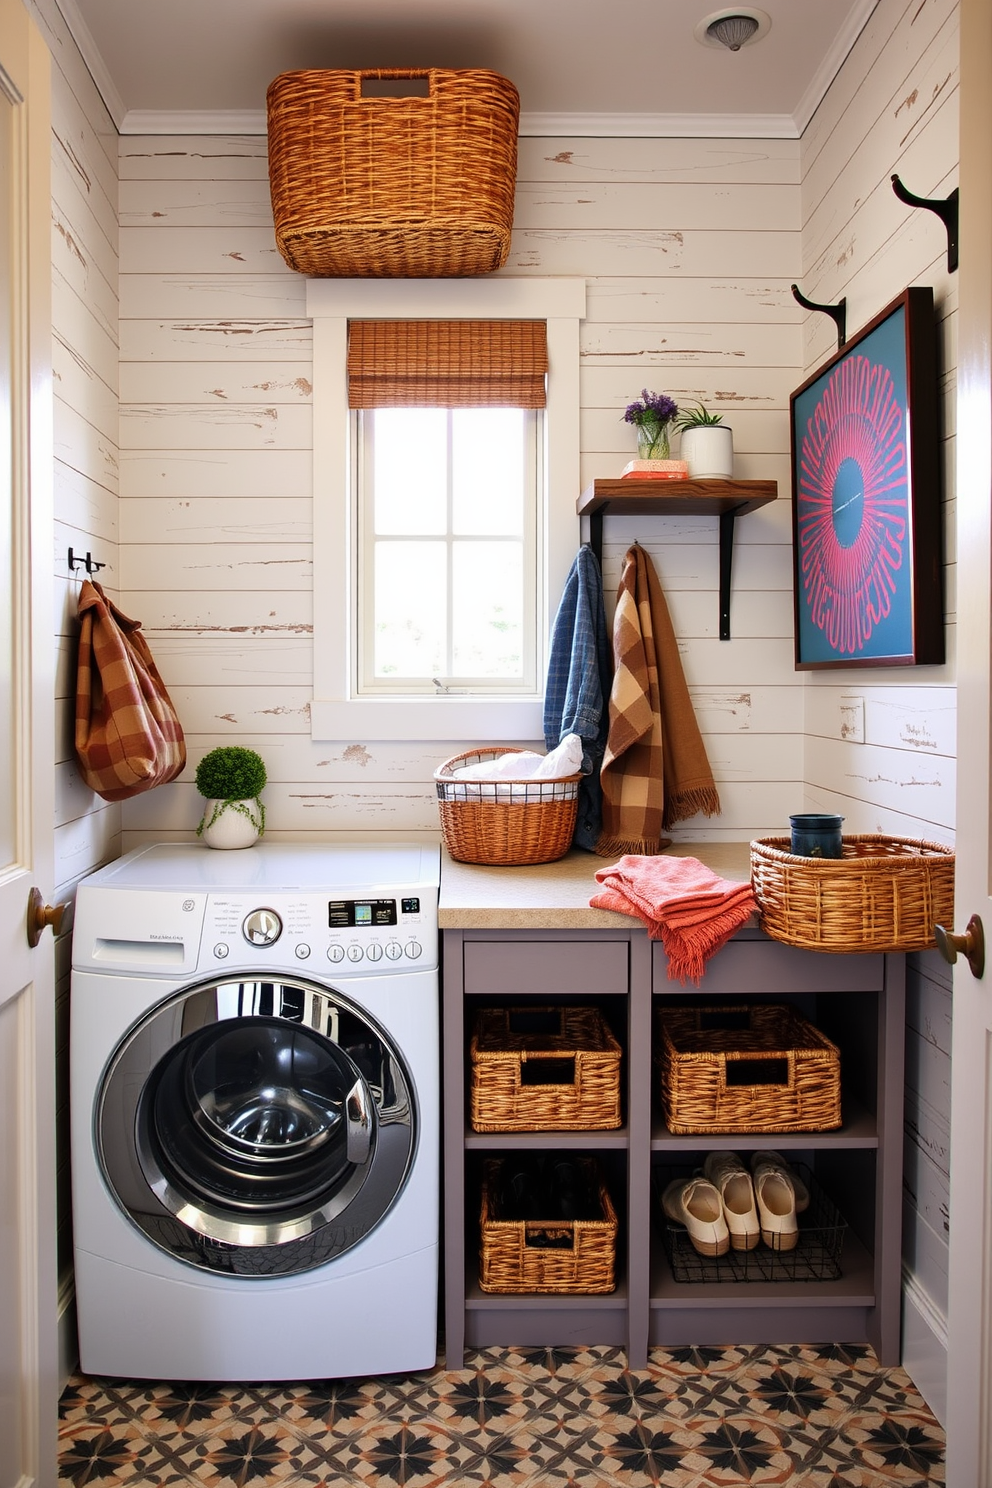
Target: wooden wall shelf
[727, 499]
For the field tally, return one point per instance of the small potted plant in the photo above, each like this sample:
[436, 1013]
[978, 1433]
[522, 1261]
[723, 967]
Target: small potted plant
[231, 779]
[707, 444]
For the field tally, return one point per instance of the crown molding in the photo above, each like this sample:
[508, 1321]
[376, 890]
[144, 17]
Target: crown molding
[541, 126]
[832, 63]
[97, 68]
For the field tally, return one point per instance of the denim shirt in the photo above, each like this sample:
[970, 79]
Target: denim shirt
[580, 669]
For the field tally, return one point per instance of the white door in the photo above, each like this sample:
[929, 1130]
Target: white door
[969, 1354]
[28, 1346]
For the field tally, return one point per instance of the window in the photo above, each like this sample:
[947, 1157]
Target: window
[447, 535]
[410, 518]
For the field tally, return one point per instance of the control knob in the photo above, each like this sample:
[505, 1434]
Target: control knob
[262, 927]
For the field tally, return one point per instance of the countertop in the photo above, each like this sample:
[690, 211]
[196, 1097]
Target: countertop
[555, 896]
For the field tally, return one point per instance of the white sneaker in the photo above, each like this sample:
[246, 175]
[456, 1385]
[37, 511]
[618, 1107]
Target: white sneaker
[696, 1203]
[776, 1199]
[776, 1160]
[730, 1177]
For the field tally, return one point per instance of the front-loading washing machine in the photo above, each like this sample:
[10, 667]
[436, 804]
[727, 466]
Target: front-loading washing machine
[255, 1112]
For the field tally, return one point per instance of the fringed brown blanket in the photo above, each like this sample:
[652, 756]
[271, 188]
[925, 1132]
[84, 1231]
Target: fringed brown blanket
[655, 771]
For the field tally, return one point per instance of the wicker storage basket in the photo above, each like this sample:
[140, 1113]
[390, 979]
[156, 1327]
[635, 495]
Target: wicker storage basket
[393, 186]
[545, 1255]
[747, 1068]
[506, 822]
[544, 1069]
[883, 894]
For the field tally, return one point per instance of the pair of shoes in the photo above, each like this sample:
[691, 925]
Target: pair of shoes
[780, 1195]
[730, 1177]
[696, 1203]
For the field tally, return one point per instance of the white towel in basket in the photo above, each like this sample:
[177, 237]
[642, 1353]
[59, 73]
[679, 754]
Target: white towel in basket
[511, 773]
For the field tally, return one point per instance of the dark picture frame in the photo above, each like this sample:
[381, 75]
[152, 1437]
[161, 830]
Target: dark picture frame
[867, 537]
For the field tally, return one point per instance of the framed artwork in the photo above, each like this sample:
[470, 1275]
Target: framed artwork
[866, 511]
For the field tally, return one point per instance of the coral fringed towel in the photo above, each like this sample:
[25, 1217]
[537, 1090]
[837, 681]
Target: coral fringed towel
[683, 904]
[655, 771]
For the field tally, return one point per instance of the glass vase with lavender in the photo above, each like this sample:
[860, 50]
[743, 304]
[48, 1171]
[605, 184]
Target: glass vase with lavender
[652, 417]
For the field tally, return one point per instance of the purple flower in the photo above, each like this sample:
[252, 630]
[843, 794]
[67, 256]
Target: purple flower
[653, 408]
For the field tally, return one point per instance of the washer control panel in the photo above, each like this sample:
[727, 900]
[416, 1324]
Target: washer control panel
[379, 933]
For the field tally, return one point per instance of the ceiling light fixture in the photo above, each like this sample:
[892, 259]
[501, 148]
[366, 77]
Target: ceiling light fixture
[737, 27]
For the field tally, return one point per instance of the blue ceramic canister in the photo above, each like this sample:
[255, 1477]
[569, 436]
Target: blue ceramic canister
[816, 834]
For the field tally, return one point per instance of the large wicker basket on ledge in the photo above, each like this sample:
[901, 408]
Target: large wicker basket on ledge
[505, 822]
[412, 187]
[883, 894]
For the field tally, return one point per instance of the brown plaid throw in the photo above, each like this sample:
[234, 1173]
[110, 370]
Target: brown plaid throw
[128, 736]
[655, 771]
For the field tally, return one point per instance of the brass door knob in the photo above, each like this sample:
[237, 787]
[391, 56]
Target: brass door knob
[971, 945]
[40, 915]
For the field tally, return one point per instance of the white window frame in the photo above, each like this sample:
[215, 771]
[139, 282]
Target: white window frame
[337, 712]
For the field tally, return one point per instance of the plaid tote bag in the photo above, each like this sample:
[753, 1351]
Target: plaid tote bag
[128, 735]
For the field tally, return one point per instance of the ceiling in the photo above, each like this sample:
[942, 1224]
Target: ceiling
[622, 67]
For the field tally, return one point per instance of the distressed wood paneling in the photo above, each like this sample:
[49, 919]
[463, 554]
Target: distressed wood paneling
[206, 521]
[188, 341]
[217, 382]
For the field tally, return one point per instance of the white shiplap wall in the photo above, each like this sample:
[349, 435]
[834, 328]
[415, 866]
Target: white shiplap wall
[688, 248]
[85, 355]
[893, 110]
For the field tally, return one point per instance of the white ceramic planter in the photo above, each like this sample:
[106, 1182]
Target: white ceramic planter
[239, 823]
[708, 449]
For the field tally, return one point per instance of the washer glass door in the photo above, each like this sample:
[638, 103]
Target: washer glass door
[256, 1127]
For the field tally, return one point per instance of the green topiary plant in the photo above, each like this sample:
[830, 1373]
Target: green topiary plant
[232, 777]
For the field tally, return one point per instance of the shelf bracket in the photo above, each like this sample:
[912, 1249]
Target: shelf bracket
[946, 209]
[837, 313]
[591, 530]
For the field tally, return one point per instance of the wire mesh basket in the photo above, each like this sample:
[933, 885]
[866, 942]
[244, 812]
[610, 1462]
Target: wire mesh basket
[816, 1257]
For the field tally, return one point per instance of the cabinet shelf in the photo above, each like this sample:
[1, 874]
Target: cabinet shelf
[559, 1141]
[727, 499]
[856, 1286]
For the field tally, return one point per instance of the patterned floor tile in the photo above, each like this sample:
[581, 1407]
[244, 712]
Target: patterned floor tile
[520, 1418]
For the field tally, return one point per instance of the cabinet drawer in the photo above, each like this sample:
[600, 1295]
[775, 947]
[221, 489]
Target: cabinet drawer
[770, 968]
[536, 968]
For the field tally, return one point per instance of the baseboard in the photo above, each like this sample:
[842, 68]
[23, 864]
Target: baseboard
[924, 1345]
[68, 1347]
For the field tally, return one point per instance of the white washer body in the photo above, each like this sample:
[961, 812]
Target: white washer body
[148, 928]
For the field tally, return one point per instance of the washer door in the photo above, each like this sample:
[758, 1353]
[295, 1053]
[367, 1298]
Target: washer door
[256, 1128]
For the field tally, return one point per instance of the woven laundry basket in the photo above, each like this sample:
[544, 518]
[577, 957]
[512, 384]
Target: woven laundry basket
[751, 1067]
[405, 187]
[882, 894]
[544, 1069]
[546, 1253]
[505, 822]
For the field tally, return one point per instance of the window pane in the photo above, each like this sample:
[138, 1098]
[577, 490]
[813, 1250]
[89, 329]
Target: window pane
[487, 609]
[410, 619]
[488, 470]
[410, 456]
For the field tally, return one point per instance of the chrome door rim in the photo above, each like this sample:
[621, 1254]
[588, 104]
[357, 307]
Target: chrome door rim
[130, 1164]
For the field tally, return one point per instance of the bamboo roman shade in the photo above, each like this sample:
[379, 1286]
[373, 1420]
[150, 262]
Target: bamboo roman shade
[447, 363]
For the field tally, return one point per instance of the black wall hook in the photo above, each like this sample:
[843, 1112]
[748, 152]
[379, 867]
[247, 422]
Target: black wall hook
[837, 313]
[89, 563]
[946, 209]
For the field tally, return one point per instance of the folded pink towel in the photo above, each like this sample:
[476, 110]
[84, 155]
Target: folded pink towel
[683, 903]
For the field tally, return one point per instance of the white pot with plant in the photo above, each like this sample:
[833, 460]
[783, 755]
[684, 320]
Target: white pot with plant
[231, 780]
[707, 443]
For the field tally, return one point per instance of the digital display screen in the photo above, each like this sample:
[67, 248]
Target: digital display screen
[346, 914]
